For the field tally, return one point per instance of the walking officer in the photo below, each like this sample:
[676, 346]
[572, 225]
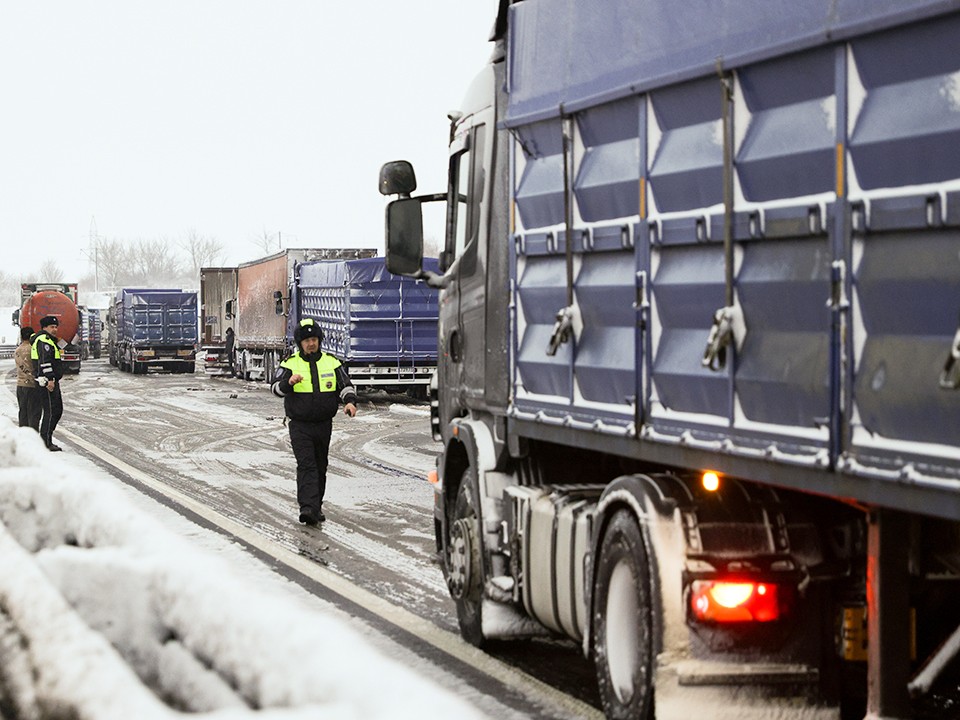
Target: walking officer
[312, 385]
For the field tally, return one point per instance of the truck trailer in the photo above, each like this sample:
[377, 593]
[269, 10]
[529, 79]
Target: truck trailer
[38, 300]
[382, 326]
[153, 328]
[263, 288]
[218, 307]
[699, 368]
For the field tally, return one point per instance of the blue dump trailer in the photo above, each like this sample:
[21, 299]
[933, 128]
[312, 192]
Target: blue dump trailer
[699, 368]
[382, 326]
[153, 328]
[91, 327]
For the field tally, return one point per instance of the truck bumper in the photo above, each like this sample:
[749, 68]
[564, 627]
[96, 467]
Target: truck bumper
[741, 691]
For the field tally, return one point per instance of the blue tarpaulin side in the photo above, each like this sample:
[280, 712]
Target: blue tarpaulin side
[367, 313]
[150, 316]
[576, 54]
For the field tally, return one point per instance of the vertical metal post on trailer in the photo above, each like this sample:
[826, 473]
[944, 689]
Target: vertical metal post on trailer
[888, 613]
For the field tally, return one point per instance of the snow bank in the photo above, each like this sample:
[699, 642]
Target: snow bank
[106, 614]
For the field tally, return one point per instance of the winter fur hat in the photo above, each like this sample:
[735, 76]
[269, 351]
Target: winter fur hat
[306, 329]
[49, 320]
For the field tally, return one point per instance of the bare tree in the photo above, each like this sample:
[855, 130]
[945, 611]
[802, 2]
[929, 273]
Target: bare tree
[201, 252]
[49, 272]
[267, 242]
[114, 262]
[9, 289]
[154, 262]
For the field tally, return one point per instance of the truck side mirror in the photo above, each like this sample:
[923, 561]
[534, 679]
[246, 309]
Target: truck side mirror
[278, 297]
[228, 310]
[397, 178]
[405, 236]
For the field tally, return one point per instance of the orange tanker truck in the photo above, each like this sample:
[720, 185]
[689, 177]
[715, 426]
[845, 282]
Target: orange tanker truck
[60, 300]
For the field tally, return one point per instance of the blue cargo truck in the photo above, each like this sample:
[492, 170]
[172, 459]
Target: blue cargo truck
[90, 332]
[699, 368]
[382, 326]
[153, 328]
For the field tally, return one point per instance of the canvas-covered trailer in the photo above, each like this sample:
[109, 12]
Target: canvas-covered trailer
[700, 237]
[153, 328]
[382, 326]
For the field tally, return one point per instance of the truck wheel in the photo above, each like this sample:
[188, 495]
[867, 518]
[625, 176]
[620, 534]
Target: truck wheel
[269, 368]
[622, 628]
[464, 573]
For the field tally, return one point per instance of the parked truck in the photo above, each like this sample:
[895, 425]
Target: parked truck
[94, 332]
[218, 308]
[90, 332]
[153, 328]
[382, 326]
[263, 285]
[39, 300]
[699, 376]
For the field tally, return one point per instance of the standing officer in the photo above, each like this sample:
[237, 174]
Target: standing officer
[48, 370]
[26, 383]
[312, 384]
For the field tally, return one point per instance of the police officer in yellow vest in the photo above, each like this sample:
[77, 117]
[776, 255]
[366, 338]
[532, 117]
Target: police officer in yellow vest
[48, 371]
[312, 385]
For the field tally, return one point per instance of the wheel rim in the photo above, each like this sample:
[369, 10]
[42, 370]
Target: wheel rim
[622, 613]
[461, 558]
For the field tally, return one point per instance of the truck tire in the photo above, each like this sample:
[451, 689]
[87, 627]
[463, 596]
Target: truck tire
[464, 565]
[269, 367]
[622, 624]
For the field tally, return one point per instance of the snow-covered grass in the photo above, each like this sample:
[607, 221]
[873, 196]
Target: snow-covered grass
[104, 613]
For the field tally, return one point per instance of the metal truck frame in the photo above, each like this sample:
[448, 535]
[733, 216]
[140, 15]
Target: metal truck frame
[699, 355]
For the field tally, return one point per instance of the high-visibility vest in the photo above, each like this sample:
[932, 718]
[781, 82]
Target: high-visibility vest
[35, 351]
[326, 371]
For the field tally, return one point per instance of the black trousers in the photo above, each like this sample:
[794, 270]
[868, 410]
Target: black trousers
[28, 401]
[310, 442]
[51, 407]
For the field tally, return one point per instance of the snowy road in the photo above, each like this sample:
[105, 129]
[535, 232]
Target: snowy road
[216, 450]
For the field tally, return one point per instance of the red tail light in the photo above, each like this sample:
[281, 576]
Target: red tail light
[725, 602]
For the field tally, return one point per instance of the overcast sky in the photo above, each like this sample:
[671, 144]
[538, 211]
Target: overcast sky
[229, 118]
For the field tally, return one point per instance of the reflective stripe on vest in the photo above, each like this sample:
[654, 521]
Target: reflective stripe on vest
[35, 351]
[326, 370]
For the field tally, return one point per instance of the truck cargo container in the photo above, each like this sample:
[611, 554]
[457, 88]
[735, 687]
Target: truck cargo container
[153, 328]
[218, 307]
[382, 326]
[262, 301]
[699, 375]
[59, 300]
